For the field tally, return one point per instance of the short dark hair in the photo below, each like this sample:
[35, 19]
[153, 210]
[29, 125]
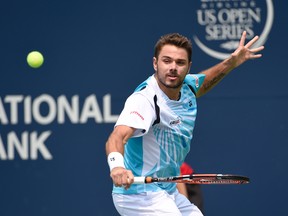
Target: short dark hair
[175, 39]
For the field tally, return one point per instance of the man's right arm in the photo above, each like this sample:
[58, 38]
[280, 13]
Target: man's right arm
[115, 151]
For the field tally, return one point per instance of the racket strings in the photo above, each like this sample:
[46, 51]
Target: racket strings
[222, 181]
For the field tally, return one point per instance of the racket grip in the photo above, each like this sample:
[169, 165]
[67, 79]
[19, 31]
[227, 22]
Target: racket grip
[139, 180]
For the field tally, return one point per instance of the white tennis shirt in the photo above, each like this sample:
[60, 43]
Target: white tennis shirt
[164, 132]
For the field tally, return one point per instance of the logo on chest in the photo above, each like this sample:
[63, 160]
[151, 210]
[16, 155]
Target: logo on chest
[175, 122]
[189, 105]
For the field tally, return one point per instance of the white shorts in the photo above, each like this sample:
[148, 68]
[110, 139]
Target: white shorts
[155, 203]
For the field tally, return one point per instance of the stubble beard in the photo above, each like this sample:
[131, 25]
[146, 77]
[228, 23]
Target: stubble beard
[162, 80]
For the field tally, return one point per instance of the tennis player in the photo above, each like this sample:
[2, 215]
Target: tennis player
[153, 133]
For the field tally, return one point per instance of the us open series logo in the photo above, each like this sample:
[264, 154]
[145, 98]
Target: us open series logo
[218, 24]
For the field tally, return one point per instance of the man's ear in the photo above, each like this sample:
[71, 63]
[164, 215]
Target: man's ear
[155, 63]
[189, 67]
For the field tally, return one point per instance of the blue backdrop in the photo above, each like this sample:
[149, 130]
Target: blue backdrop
[54, 121]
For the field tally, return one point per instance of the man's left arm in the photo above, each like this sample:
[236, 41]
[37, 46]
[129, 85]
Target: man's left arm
[216, 73]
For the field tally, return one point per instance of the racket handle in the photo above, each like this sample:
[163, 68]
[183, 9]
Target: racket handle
[139, 180]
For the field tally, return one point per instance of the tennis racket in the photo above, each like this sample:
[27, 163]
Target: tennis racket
[196, 179]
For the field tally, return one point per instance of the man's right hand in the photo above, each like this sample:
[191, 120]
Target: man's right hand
[122, 177]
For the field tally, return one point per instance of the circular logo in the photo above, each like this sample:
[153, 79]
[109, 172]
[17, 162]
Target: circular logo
[219, 24]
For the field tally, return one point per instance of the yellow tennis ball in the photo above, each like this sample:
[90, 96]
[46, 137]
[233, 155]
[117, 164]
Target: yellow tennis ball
[35, 59]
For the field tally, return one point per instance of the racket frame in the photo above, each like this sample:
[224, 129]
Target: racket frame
[196, 179]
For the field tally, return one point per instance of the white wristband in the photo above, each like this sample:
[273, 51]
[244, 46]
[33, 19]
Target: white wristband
[115, 159]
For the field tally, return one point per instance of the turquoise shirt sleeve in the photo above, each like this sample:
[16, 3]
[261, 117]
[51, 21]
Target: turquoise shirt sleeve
[195, 81]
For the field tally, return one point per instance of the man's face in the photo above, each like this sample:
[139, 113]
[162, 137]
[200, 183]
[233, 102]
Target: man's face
[171, 67]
